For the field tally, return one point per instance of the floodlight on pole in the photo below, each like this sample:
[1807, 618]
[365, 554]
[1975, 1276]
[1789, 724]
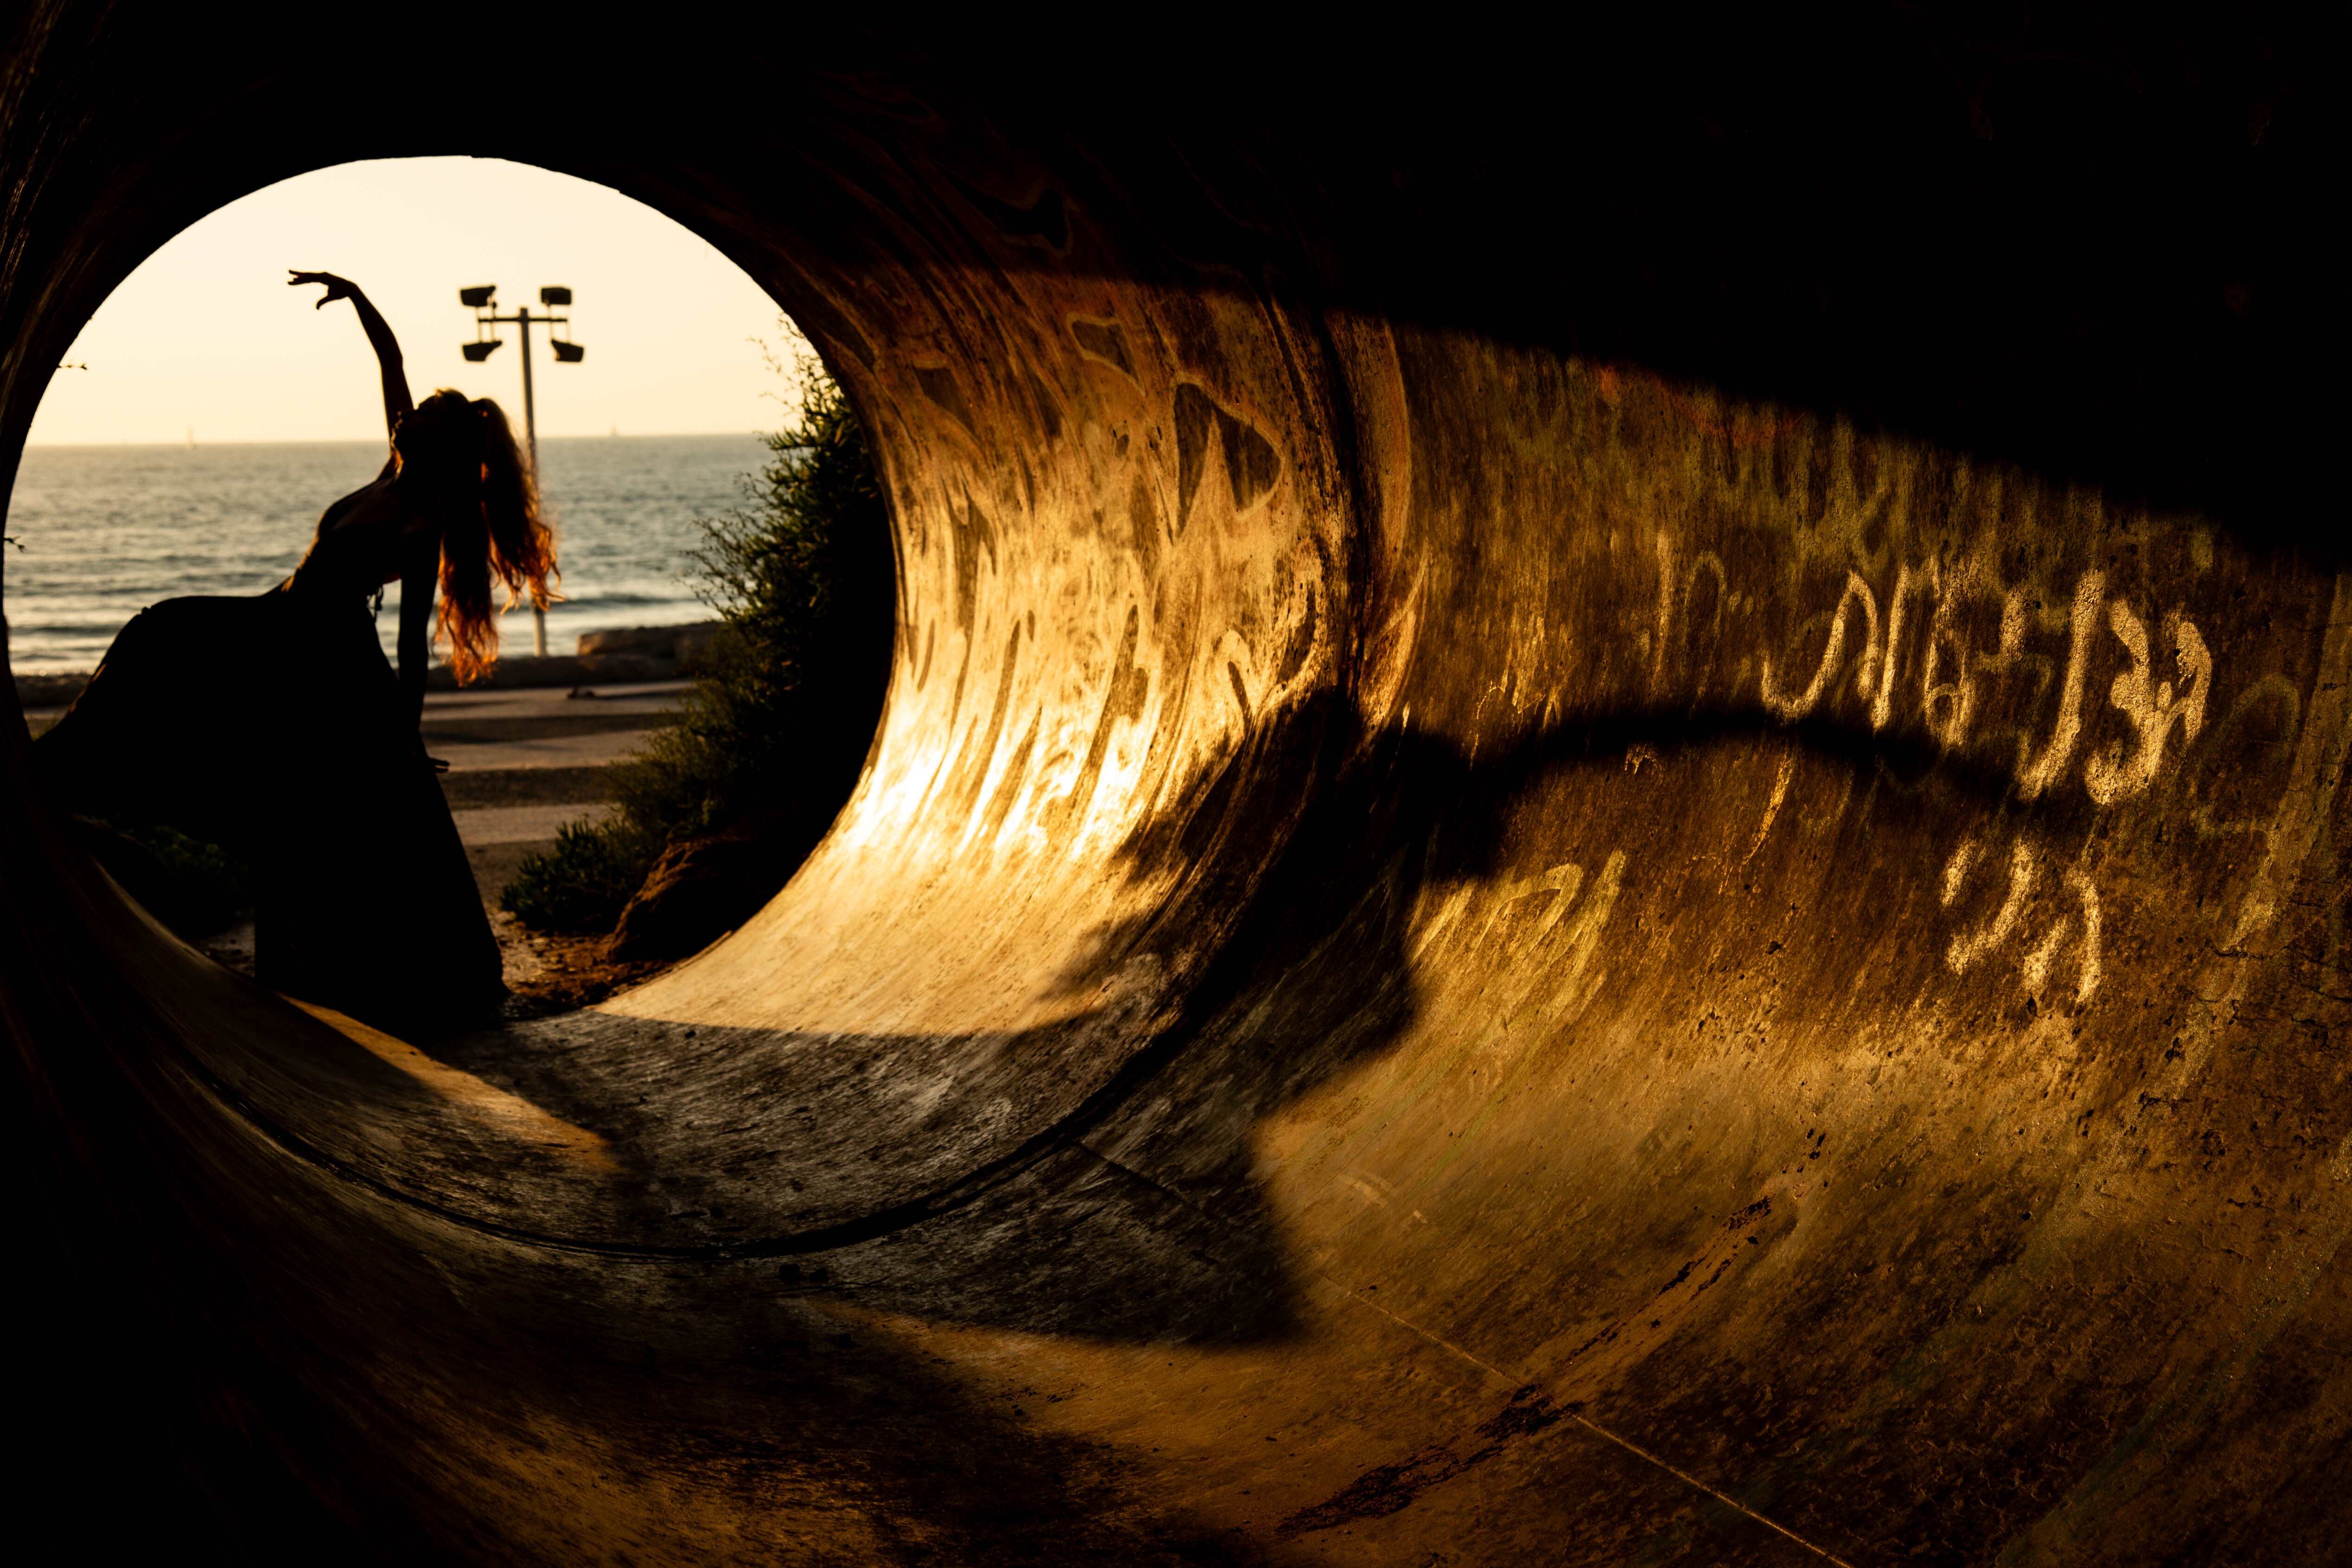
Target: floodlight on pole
[482, 300]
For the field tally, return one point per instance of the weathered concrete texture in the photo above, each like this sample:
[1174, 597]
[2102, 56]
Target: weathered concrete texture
[1457, 946]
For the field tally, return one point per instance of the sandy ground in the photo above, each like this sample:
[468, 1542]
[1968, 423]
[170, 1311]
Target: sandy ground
[521, 764]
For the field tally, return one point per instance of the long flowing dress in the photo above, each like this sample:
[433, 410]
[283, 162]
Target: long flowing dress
[274, 725]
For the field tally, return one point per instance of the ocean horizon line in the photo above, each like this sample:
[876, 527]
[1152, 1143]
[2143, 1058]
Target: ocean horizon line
[109, 528]
[183, 445]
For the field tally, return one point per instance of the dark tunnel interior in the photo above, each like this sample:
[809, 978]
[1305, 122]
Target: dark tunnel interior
[1609, 828]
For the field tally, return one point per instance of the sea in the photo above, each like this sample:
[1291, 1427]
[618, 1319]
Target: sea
[101, 532]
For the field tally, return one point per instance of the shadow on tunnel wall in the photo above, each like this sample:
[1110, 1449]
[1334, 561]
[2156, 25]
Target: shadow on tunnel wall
[1139, 1216]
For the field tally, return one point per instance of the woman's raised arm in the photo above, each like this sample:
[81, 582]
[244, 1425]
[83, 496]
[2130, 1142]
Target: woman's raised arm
[379, 333]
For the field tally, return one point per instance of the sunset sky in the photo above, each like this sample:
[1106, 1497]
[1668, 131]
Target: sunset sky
[206, 335]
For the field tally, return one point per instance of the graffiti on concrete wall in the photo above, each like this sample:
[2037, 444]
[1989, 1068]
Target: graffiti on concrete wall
[2156, 704]
[1922, 653]
[1969, 947]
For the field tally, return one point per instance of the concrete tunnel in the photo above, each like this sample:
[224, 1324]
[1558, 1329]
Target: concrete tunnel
[1610, 828]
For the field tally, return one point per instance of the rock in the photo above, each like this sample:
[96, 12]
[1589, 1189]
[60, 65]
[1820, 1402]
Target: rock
[704, 887]
[679, 644]
[653, 641]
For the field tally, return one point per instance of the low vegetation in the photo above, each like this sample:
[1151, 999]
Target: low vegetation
[774, 730]
[195, 888]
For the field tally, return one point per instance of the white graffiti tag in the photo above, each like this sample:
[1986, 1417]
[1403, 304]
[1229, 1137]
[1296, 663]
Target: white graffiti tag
[1793, 708]
[1967, 947]
[2034, 776]
[2152, 712]
[1948, 672]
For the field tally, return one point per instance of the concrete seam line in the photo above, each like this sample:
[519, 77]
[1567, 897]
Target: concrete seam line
[1688, 1480]
[1594, 1426]
[1491, 1370]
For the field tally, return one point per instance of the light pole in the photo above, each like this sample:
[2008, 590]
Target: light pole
[483, 302]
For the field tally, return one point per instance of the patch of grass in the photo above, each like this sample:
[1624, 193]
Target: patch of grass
[780, 718]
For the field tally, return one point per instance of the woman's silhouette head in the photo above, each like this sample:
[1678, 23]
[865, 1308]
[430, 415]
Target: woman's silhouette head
[458, 458]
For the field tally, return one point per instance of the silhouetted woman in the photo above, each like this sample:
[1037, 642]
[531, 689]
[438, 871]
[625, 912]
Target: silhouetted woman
[274, 725]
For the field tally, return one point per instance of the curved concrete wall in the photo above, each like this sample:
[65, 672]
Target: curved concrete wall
[1487, 925]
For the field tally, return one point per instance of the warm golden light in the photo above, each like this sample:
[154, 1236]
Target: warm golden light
[204, 341]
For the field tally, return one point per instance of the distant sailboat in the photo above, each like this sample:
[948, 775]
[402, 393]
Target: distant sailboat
[192, 438]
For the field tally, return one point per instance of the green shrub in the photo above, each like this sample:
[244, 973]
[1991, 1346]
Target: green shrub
[582, 884]
[783, 707]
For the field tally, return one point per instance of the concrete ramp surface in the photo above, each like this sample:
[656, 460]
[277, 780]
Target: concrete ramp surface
[1610, 829]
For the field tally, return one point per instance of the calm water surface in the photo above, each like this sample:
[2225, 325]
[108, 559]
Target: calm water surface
[108, 531]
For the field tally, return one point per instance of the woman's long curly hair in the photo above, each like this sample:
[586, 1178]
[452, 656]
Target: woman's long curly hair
[459, 455]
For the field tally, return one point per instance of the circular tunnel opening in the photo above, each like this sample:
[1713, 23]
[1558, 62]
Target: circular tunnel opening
[658, 745]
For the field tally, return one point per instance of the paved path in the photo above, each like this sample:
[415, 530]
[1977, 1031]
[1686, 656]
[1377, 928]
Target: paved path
[521, 824]
[543, 727]
[524, 763]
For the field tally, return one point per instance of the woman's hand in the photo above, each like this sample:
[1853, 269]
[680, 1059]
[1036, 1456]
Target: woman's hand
[396, 401]
[337, 287]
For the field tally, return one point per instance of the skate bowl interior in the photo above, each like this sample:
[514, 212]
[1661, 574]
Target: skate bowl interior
[1610, 829]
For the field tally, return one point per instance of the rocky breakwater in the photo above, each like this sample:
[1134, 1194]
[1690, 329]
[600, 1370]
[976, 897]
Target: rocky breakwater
[628, 655]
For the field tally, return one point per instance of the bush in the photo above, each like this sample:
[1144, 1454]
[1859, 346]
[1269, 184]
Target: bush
[581, 885]
[780, 718]
[196, 889]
